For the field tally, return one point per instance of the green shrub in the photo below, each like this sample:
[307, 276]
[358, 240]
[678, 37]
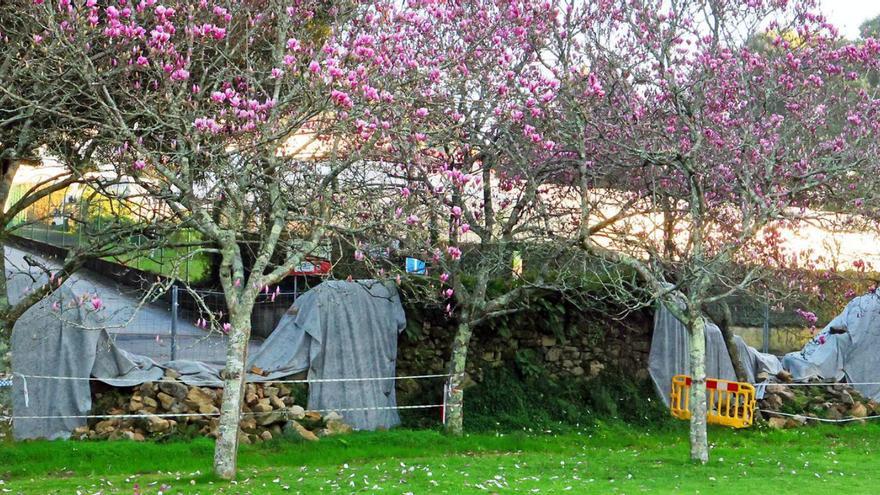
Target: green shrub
[507, 401]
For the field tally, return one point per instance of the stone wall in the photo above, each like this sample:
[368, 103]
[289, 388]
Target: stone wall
[588, 345]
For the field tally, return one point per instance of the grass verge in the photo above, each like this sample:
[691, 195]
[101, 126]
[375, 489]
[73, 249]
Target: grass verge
[608, 458]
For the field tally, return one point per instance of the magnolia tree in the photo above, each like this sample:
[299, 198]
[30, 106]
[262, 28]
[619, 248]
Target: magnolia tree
[483, 187]
[716, 143]
[246, 119]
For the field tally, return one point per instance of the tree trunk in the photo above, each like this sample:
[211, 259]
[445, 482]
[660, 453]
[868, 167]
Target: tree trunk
[234, 375]
[732, 351]
[699, 440]
[457, 365]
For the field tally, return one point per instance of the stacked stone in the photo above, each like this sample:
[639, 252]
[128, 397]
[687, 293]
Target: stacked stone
[269, 412]
[809, 403]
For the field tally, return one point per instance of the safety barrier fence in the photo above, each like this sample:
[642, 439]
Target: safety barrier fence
[728, 403]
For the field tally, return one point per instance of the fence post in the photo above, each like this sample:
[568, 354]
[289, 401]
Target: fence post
[766, 343]
[174, 301]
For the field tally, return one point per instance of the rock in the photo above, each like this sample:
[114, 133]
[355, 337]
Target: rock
[150, 402]
[147, 388]
[196, 397]
[577, 371]
[781, 390]
[776, 422]
[276, 402]
[858, 410]
[262, 406]
[762, 377]
[595, 368]
[265, 436]
[174, 389]
[772, 402]
[270, 392]
[548, 341]
[135, 404]
[784, 376]
[337, 427]
[267, 418]
[207, 408]
[106, 426]
[311, 419]
[155, 424]
[833, 413]
[333, 416]
[554, 354]
[248, 424]
[297, 412]
[171, 374]
[166, 400]
[297, 429]
[795, 421]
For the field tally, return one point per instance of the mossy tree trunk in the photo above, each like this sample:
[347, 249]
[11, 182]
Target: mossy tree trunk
[698, 435]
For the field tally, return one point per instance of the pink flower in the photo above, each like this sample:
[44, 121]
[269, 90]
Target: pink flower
[456, 211]
[180, 74]
[809, 316]
[314, 67]
[465, 228]
[56, 306]
[448, 293]
[822, 339]
[97, 303]
[422, 112]
[453, 252]
[341, 98]
[359, 255]
[405, 192]
[139, 165]
[237, 283]
[227, 327]
[444, 277]
[293, 45]
[277, 73]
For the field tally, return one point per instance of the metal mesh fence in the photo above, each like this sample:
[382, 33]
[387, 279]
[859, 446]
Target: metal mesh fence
[170, 328]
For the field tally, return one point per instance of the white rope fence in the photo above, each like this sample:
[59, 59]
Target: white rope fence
[135, 381]
[821, 420]
[7, 382]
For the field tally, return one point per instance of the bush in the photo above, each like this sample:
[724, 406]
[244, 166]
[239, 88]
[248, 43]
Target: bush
[506, 401]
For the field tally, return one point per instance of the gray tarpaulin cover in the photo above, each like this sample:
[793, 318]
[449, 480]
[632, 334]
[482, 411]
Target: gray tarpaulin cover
[341, 330]
[65, 342]
[337, 330]
[669, 352]
[854, 355]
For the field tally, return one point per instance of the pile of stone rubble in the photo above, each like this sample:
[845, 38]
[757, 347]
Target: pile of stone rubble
[805, 404]
[269, 412]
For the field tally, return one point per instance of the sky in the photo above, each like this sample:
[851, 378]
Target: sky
[848, 14]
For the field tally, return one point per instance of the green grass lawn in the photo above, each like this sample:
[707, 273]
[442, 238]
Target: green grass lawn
[607, 459]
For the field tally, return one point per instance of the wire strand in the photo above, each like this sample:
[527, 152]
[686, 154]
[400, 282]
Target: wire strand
[822, 420]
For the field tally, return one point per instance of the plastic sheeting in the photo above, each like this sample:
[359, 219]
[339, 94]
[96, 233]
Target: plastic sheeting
[669, 352]
[852, 355]
[341, 330]
[336, 330]
[46, 342]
